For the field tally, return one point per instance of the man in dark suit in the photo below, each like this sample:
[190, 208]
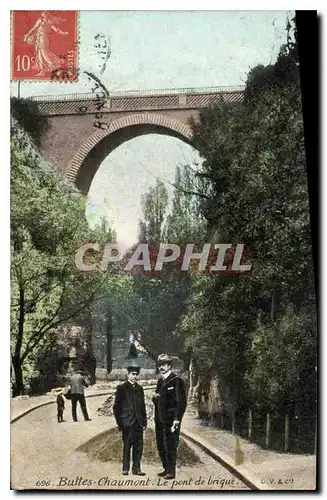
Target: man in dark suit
[130, 415]
[170, 405]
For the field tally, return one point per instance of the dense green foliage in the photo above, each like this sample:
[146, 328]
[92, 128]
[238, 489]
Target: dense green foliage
[25, 112]
[154, 206]
[48, 225]
[185, 223]
[151, 305]
[258, 332]
[283, 73]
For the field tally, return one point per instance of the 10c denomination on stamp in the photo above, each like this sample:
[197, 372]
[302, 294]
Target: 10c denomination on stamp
[44, 45]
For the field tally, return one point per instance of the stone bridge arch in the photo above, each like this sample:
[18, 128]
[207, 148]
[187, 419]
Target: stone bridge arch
[98, 146]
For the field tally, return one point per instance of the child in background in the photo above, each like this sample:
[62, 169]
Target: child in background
[60, 404]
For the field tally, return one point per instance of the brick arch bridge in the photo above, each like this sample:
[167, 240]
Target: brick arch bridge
[102, 142]
[83, 130]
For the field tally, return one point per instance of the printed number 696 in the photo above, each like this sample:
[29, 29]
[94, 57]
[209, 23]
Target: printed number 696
[43, 482]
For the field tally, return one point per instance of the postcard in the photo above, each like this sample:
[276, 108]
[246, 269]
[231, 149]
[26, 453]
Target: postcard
[163, 305]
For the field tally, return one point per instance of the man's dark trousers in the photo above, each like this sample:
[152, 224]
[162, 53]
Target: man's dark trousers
[132, 438]
[167, 444]
[82, 402]
[170, 405]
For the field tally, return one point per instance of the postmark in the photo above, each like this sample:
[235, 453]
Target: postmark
[44, 45]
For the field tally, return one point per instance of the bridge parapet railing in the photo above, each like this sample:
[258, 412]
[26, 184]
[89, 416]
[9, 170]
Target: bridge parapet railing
[138, 93]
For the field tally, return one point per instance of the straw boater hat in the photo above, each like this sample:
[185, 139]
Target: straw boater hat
[58, 391]
[164, 358]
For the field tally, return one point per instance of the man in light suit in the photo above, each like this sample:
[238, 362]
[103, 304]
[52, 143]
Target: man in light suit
[170, 405]
[130, 415]
[77, 384]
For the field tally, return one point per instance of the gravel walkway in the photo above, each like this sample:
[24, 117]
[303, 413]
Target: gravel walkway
[44, 456]
[272, 470]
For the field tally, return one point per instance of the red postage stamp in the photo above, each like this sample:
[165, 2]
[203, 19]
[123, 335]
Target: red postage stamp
[44, 45]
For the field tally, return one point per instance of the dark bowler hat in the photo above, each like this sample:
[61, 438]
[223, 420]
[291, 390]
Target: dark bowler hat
[164, 358]
[132, 368]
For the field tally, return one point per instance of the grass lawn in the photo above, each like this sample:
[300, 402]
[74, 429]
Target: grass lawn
[108, 447]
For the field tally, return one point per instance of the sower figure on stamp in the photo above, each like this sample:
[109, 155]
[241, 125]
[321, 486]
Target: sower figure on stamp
[170, 405]
[77, 384]
[39, 35]
[130, 415]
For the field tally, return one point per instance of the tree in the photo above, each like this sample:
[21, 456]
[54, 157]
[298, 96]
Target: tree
[185, 223]
[25, 113]
[286, 350]
[48, 225]
[153, 303]
[254, 327]
[283, 73]
[154, 206]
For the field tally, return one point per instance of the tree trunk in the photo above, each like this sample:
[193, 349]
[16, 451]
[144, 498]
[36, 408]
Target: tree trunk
[273, 305]
[16, 359]
[186, 358]
[194, 382]
[18, 387]
[186, 362]
[109, 343]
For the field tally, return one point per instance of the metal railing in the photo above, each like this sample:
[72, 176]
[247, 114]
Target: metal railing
[139, 93]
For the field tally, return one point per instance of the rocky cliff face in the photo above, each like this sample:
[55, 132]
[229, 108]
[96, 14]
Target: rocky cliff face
[120, 349]
[210, 396]
[71, 348]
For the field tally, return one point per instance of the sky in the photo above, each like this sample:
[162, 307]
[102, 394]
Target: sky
[161, 50]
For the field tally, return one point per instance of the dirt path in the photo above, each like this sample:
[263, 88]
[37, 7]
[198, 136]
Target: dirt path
[44, 457]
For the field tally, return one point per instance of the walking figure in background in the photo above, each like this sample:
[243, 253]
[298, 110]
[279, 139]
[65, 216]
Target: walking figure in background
[170, 405]
[39, 35]
[77, 384]
[60, 404]
[130, 415]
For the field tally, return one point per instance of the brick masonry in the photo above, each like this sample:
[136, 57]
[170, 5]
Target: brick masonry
[79, 135]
